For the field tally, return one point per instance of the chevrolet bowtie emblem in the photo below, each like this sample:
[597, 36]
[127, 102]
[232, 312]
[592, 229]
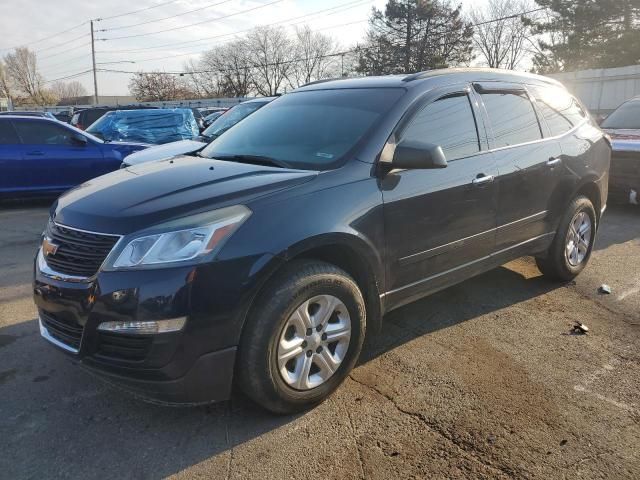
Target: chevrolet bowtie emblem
[49, 248]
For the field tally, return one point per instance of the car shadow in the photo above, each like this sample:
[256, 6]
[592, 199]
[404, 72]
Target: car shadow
[47, 401]
[481, 295]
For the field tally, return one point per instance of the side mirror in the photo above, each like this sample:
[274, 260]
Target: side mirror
[418, 155]
[79, 139]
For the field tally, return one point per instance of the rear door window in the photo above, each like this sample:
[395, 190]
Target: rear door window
[512, 118]
[560, 110]
[43, 133]
[448, 122]
[8, 135]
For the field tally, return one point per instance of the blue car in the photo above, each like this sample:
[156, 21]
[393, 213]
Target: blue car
[40, 156]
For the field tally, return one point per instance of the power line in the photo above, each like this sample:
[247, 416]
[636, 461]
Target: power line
[62, 32]
[79, 74]
[135, 11]
[164, 18]
[45, 38]
[295, 60]
[61, 44]
[66, 62]
[193, 24]
[339, 8]
[204, 51]
[64, 52]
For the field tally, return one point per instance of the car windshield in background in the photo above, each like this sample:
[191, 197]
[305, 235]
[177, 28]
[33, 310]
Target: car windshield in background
[626, 116]
[230, 118]
[309, 130]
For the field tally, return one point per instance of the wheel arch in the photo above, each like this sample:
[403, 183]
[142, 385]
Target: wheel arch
[347, 252]
[591, 190]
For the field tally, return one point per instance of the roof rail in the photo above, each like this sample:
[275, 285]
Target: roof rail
[324, 80]
[416, 76]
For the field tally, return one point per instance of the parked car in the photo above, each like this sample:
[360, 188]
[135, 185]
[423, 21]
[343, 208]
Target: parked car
[64, 116]
[43, 156]
[31, 114]
[195, 145]
[623, 125]
[209, 110]
[199, 118]
[209, 119]
[272, 256]
[162, 125]
[84, 118]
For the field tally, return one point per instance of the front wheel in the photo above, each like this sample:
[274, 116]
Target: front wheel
[302, 338]
[571, 248]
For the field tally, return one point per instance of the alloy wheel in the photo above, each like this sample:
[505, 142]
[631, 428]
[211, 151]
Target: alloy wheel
[314, 342]
[578, 239]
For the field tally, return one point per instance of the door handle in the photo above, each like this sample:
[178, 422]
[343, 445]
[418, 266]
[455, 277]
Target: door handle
[35, 152]
[552, 162]
[482, 179]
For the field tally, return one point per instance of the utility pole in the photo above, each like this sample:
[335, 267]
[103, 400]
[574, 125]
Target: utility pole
[93, 60]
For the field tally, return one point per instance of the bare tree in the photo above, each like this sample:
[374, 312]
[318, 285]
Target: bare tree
[315, 57]
[68, 90]
[503, 43]
[157, 86]
[271, 55]
[6, 90]
[230, 65]
[199, 78]
[22, 70]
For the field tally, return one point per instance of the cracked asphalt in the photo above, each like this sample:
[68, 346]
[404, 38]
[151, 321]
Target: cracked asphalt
[482, 380]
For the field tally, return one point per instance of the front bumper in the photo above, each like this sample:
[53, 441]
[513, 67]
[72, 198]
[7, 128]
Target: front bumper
[191, 366]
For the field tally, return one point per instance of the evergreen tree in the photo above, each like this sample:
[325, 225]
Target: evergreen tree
[415, 35]
[582, 34]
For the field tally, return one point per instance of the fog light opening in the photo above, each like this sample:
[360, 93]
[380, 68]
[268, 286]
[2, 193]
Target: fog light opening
[144, 328]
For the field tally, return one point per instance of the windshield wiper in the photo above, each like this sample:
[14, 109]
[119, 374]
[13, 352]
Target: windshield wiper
[253, 159]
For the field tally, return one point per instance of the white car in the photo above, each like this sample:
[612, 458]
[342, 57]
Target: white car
[190, 147]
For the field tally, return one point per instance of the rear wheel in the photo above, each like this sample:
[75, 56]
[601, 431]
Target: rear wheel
[302, 338]
[571, 248]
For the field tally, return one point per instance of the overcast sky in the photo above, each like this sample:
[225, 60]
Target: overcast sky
[30, 22]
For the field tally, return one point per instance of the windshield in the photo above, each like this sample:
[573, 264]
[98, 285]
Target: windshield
[309, 130]
[626, 116]
[231, 117]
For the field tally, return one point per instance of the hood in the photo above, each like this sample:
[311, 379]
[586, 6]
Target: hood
[161, 152]
[624, 140]
[137, 197]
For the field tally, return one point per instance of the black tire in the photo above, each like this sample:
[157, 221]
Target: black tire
[555, 264]
[256, 369]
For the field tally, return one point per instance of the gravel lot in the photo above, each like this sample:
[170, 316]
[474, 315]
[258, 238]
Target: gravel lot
[482, 380]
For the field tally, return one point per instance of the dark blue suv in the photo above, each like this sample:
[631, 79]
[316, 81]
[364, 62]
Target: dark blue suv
[268, 258]
[41, 156]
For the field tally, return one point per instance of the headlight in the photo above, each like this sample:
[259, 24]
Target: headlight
[201, 235]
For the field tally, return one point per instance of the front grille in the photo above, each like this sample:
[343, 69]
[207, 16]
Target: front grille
[123, 347]
[79, 253]
[64, 330]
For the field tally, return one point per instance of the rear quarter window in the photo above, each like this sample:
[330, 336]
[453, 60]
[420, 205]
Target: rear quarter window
[559, 109]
